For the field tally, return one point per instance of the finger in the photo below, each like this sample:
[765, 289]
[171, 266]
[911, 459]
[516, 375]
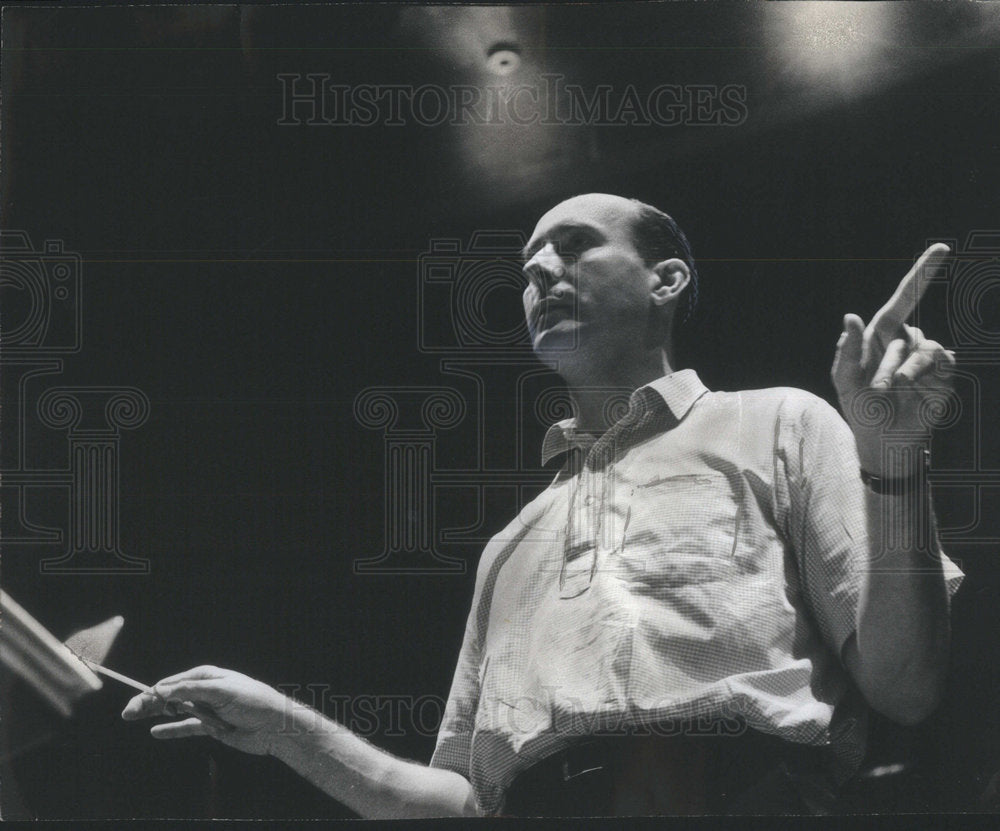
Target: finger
[938, 378]
[873, 346]
[178, 729]
[872, 349]
[946, 364]
[921, 362]
[930, 383]
[909, 291]
[914, 336]
[895, 355]
[201, 673]
[210, 692]
[847, 373]
[143, 705]
[205, 715]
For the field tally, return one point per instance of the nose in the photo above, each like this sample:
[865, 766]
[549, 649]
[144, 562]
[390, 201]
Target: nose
[545, 268]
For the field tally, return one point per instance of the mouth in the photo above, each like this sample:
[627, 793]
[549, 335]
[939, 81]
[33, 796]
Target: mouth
[551, 310]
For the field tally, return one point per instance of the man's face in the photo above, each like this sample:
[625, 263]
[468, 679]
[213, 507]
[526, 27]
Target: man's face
[588, 292]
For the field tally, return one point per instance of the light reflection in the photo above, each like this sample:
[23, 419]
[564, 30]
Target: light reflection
[843, 46]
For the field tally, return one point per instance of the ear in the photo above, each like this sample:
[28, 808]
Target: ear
[672, 277]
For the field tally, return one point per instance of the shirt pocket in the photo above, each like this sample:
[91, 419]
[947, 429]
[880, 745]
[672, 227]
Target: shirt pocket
[681, 529]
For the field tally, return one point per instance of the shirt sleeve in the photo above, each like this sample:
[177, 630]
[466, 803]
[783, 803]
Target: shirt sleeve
[827, 519]
[454, 741]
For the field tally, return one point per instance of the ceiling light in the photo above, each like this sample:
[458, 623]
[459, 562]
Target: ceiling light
[503, 58]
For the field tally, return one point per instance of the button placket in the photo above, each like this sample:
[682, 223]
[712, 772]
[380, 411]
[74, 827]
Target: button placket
[579, 553]
[588, 527]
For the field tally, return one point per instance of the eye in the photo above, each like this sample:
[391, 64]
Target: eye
[575, 242]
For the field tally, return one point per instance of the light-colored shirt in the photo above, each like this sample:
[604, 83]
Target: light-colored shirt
[696, 569]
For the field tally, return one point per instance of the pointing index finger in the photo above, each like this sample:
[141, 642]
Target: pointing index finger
[911, 288]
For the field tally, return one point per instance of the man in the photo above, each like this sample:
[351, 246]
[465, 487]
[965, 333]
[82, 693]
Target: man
[702, 563]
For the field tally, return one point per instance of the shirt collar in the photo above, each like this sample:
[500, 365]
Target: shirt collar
[678, 391]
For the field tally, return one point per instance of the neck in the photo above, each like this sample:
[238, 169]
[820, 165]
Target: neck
[594, 386]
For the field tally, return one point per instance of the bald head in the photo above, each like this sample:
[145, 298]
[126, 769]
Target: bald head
[605, 207]
[605, 277]
[655, 235]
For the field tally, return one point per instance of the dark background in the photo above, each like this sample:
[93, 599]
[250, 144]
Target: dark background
[251, 279]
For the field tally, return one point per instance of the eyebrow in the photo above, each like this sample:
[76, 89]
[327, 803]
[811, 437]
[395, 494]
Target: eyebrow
[529, 250]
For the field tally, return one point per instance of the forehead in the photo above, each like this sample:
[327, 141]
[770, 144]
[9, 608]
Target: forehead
[611, 214]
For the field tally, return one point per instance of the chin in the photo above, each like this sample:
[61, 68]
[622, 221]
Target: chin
[563, 354]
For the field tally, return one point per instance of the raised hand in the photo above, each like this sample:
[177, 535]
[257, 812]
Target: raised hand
[246, 714]
[889, 356]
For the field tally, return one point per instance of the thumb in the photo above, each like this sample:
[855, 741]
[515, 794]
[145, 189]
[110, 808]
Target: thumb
[847, 374]
[854, 326]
